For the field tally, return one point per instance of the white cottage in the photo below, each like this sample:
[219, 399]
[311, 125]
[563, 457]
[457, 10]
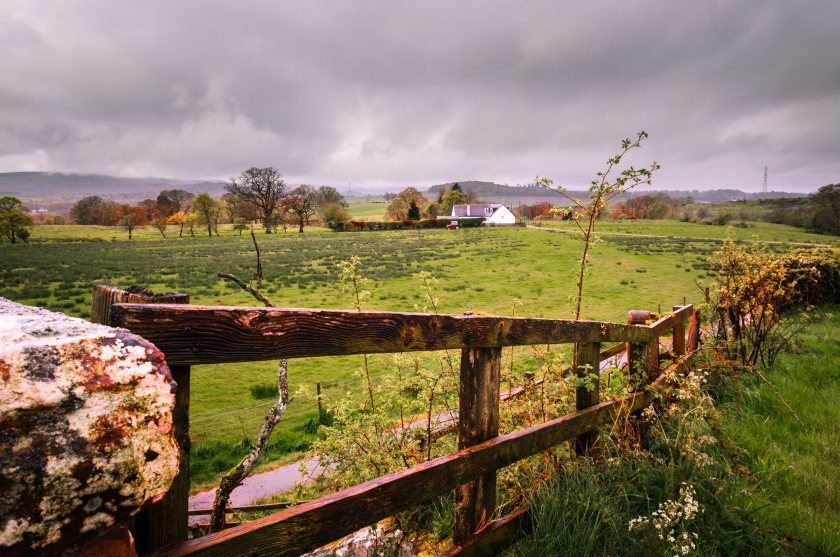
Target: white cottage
[493, 213]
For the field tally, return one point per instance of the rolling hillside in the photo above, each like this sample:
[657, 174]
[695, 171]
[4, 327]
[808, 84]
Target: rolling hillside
[55, 185]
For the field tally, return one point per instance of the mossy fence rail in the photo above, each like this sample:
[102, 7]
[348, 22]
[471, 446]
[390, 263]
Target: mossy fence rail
[189, 335]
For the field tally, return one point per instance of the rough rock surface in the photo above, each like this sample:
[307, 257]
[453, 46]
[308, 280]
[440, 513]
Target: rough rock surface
[86, 436]
[380, 539]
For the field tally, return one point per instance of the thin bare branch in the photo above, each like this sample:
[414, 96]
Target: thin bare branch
[244, 286]
[258, 274]
[241, 471]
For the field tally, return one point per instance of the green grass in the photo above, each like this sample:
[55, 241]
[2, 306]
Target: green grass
[783, 499]
[480, 270]
[586, 511]
[797, 467]
[368, 211]
[764, 230]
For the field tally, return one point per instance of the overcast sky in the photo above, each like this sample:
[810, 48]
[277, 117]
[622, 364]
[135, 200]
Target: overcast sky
[404, 93]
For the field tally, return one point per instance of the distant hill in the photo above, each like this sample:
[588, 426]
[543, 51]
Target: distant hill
[56, 185]
[490, 191]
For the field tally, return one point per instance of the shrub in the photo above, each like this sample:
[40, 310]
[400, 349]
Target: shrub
[432, 223]
[723, 219]
[756, 287]
[471, 222]
[262, 391]
[335, 216]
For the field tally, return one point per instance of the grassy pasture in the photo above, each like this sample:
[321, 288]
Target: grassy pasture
[480, 270]
[368, 211]
[763, 230]
[796, 464]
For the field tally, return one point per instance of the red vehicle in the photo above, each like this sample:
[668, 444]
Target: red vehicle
[452, 225]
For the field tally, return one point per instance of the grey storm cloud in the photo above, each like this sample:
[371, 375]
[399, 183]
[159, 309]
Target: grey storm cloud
[398, 93]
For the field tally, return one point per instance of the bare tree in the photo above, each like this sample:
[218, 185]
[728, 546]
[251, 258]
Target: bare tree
[262, 187]
[301, 204]
[170, 202]
[131, 218]
[95, 210]
[328, 195]
[159, 222]
[237, 208]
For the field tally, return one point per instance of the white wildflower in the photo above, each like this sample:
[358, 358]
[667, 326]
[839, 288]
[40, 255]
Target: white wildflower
[671, 521]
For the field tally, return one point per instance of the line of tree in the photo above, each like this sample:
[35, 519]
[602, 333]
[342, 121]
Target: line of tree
[258, 195]
[819, 213]
[652, 206]
[411, 204]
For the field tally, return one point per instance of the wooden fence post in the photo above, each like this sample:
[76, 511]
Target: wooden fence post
[587, 355]
[694, 331]
[642, 357]
[478, 421]
[679, 335]
[643, 362]
[165, 522]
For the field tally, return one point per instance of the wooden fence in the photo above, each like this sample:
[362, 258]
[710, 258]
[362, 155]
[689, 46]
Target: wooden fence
[189, 335]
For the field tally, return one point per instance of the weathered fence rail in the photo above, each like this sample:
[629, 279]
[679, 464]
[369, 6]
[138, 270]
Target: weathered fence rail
[212, 335]
[190, 335]
[310, 525]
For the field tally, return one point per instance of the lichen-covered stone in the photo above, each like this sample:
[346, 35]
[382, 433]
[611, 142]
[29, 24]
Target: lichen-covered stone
[86, 433]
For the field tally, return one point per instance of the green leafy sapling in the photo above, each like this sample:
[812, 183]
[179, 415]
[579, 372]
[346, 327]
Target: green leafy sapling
[606, 185]
[353, 283]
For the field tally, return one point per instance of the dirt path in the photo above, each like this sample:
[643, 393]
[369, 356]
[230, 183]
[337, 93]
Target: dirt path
[631, 234]
[256, 487]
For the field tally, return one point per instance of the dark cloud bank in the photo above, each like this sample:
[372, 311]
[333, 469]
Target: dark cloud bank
[398, 93]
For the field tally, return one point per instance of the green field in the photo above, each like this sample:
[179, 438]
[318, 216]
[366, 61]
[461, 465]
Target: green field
[480, 270]
[672, 228]
[368, 211]
[796, 465]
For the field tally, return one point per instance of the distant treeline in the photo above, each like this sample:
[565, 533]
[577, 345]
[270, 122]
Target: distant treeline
[258, 196]
[818, 213]
[491, 190]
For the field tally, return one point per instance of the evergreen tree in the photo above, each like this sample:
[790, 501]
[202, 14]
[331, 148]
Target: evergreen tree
[413, 211]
